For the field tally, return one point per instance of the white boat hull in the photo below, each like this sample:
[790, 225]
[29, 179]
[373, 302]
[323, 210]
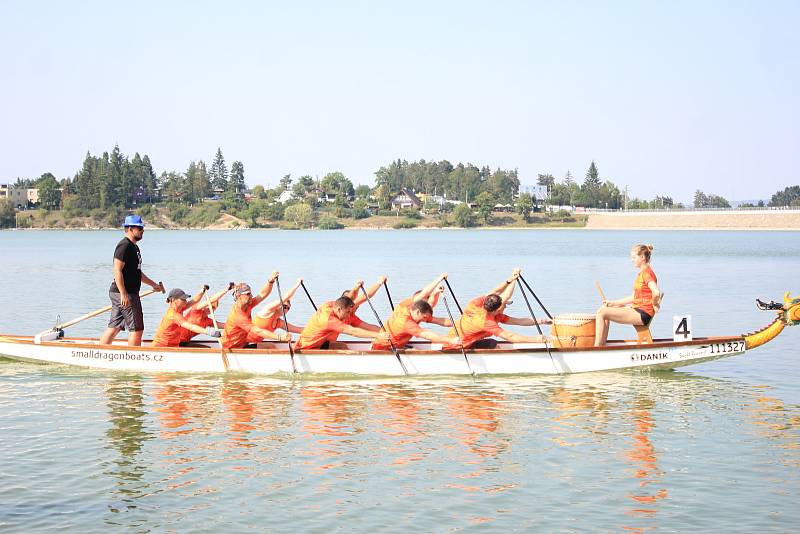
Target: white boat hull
[424, 359]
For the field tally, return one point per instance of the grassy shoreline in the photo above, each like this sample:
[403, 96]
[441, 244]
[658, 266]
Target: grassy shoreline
[158, 218]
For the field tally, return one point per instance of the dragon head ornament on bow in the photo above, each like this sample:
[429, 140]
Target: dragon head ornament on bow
[788, 314]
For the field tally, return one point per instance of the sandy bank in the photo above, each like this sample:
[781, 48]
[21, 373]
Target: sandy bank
[698, 220]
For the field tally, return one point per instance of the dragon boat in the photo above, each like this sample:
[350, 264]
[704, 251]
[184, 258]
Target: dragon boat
[420, 358]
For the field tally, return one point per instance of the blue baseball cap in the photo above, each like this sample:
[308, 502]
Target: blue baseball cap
[133, 220]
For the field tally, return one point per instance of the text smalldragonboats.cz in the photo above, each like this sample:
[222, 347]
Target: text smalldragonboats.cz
[114, 356]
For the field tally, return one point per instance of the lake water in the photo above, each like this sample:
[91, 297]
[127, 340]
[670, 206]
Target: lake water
[714, 447]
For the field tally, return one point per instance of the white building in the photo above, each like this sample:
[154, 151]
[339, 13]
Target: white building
[21, 197]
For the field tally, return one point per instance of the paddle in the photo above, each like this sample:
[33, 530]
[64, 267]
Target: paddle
[600, 290]
[388, 295]
[380, 323]
[216, 327]
[446, 281]
[460, 342]
[102, 310]
[309, 296]
[286, 324]
[534, 296]
[539, 328]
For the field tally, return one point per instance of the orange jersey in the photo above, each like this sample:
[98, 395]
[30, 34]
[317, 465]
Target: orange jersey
[237, 327]
[169, 330]
[401, 327]
[476, 324]
[270, 322]
[642, 294]
[323, 326]
[197, 317]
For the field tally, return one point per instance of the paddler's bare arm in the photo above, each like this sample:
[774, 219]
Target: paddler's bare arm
[433, 298]
[266, 289]
[506, 292]
[506, 289]
[292, 328]
[438, 338]
[426, 291]
[270, 308]
[216, 297]
[266, 334]
[195, 328]
[619, 303]
[199, 295]
[361, 332]
[441, 321]
[359, 299]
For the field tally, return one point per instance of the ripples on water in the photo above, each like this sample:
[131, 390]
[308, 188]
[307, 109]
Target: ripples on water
[711, 449]
[605, 452]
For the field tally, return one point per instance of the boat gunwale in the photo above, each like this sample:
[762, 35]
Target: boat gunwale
[615, 345]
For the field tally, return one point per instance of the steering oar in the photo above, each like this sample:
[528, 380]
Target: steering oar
[60, 327]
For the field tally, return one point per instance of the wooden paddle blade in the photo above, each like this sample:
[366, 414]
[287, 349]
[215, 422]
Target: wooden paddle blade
[599, 290]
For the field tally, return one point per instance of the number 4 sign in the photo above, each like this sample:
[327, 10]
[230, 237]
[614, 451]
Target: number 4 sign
[682, 327]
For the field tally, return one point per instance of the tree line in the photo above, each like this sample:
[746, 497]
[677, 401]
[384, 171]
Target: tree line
[114, 180]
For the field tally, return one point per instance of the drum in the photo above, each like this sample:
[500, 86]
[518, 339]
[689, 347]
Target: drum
[573, 330]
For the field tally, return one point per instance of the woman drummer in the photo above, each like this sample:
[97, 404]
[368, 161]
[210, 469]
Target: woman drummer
[639, 307]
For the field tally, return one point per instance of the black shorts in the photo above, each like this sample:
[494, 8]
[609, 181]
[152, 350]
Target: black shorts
[130, 318]
[486, 343]
[646, 317]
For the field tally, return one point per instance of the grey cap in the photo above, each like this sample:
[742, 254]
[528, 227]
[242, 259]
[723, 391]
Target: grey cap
[241, 289]
[178, 294]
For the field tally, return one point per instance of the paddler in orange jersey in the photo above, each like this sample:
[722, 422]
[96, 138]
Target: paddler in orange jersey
[483, 314]
[173, 322]
[334, 318]
[271, 315]
[239, 324]
[197, 311]
[404, 322]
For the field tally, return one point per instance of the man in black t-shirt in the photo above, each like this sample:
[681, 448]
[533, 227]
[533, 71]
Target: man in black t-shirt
[126, 308]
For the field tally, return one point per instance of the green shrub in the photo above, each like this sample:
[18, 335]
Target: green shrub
[405, 224]
[145, 211]
[463, 216]
[177, 212]
[274, 211]
[411, 213]
[326, 222]
[202, 215]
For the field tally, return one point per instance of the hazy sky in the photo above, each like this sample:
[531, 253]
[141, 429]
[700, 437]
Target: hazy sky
[666, 97]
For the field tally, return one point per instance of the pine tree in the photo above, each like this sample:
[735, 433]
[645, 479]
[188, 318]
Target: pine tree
[149, 179]
[236, 185]
[219, 172]
[591, 187]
